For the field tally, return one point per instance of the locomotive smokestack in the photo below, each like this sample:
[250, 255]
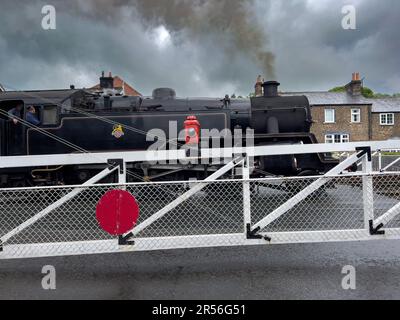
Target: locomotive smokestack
[271, 89]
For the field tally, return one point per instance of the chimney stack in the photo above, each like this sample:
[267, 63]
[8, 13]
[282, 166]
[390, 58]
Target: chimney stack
[259, 87]
[106, 82]
[354, 88]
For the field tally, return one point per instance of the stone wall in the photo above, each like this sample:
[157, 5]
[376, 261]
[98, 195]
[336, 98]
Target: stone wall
[357, 131]
[380, 132]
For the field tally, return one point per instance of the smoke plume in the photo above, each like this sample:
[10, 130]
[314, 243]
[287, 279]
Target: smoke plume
[231, 22]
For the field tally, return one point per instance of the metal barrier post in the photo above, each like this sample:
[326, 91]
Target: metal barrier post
[246, 194]
[368, 191]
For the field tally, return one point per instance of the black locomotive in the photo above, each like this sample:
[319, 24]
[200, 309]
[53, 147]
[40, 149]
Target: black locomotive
[102, 122]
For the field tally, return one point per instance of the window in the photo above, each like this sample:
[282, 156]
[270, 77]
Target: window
[329, 138]
[355, 115]
[337, 138]
[387, 119]
[345, 138]
[329, 115]
[50, 115]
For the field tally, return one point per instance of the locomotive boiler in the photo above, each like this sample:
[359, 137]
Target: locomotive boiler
[83, 121]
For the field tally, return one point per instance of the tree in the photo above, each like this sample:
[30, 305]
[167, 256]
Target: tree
[368, 93]
[338, 89]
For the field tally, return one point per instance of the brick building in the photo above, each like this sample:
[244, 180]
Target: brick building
[117, 84]
[385, 118]
[350, 117]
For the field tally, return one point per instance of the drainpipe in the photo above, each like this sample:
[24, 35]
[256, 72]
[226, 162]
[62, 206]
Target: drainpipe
[370, 122]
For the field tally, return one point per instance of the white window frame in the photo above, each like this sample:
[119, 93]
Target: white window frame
[334, 115]
[345, 138]
[329, 138]
[385, 116]
[337, 138]
[356, 112]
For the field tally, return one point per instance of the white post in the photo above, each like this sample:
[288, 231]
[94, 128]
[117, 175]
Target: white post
[246, 193]
[122, 175]
[368, 191]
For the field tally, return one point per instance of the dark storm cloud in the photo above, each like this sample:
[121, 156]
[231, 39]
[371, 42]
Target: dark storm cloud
[214, 47]
[314, 52]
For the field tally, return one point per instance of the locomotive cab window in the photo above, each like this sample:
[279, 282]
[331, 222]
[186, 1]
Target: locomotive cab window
[49, 115]
[32, 115]
[11, 107]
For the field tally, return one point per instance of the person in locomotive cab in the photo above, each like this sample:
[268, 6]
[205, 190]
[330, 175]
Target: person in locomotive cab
[31, 116]
[16, 113]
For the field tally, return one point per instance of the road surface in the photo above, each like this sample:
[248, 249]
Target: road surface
[303, 271]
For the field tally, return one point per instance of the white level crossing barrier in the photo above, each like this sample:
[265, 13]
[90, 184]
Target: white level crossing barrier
[339, 206]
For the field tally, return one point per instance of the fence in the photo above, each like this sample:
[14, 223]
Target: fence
[221, 213]
[382, 161]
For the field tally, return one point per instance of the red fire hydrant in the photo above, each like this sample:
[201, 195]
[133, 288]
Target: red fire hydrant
[192, 130]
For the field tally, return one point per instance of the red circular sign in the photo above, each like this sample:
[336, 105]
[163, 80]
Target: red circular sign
[117, 212]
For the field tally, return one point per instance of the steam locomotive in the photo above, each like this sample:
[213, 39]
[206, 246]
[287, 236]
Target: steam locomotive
[108, 122]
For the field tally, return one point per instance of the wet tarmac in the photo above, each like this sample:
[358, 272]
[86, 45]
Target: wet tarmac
[302, 271]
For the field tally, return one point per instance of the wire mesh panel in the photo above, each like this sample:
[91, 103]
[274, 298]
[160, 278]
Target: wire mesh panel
[390, 162]
[73, 221]
[387, 196]
[337, 205]
[213, 216]
[217, 209]
[380, 162]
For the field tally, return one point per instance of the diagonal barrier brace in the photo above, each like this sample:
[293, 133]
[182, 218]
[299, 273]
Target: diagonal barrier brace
[55, 205]
[389, 165]
[181, 199]
[386, 217]
[306, 192]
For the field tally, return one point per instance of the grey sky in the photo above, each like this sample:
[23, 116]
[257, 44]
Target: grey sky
[200, 47]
